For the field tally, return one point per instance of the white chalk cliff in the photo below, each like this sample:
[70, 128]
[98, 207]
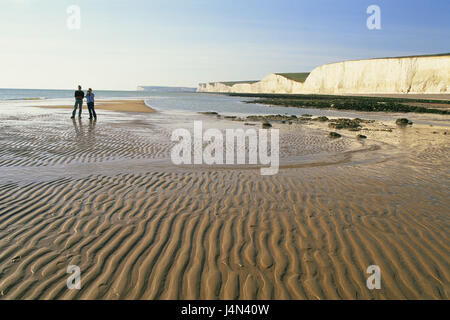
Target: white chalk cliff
[416, 74]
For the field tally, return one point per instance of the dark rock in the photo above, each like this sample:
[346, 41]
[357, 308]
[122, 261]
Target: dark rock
[403, 122]
[266, 125]
[209, 113]
[343, 123]
[361, 136]
[334, 135]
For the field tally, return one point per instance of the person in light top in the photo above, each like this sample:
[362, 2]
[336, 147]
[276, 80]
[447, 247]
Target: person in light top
[90, 103]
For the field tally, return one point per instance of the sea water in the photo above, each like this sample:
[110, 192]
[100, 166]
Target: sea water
[192, 102]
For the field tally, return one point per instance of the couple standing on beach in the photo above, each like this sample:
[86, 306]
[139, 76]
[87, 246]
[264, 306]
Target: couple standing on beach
[79, 96]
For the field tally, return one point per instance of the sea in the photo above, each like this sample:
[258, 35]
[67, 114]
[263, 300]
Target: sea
[193, 102]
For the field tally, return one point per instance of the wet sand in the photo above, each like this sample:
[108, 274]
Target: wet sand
[105, 196]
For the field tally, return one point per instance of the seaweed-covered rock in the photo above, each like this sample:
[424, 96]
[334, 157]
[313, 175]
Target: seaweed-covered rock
[361, 136]
[363, 120]
[321, 119]
[266, 125]
[254, 118]
[209, 113]
[371, 104]
[271, 117]
[343, 123]
[334, 135]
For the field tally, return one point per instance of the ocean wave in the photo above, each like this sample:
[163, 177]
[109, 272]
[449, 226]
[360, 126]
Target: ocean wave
[25, 98]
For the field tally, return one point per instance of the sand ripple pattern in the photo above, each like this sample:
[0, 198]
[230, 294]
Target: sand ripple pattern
[208, 235]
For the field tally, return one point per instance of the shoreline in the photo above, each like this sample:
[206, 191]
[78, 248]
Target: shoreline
[411, 96]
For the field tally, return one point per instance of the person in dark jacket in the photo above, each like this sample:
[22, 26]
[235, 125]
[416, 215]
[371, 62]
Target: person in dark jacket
[90, 103]
[79, 95]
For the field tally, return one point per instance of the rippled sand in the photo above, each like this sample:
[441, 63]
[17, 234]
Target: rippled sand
[104, 196]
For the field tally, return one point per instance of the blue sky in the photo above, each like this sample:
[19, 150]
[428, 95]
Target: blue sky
[125, 43]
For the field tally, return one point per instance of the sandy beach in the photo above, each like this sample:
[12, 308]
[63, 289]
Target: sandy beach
[105, 196]
[113, 105]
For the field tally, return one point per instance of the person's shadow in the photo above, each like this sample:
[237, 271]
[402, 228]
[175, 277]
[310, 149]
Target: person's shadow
[91, 132]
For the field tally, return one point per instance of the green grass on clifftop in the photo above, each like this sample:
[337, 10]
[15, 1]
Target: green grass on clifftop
[232, 83]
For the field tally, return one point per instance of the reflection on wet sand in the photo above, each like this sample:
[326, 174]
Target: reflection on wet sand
[83, 135]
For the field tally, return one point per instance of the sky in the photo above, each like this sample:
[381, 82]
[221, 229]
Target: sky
[122, 44]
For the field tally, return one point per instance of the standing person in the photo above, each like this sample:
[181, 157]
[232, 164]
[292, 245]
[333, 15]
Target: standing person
[90, 103]
[79, 95]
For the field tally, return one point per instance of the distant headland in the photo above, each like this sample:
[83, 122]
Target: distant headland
[165, 89]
